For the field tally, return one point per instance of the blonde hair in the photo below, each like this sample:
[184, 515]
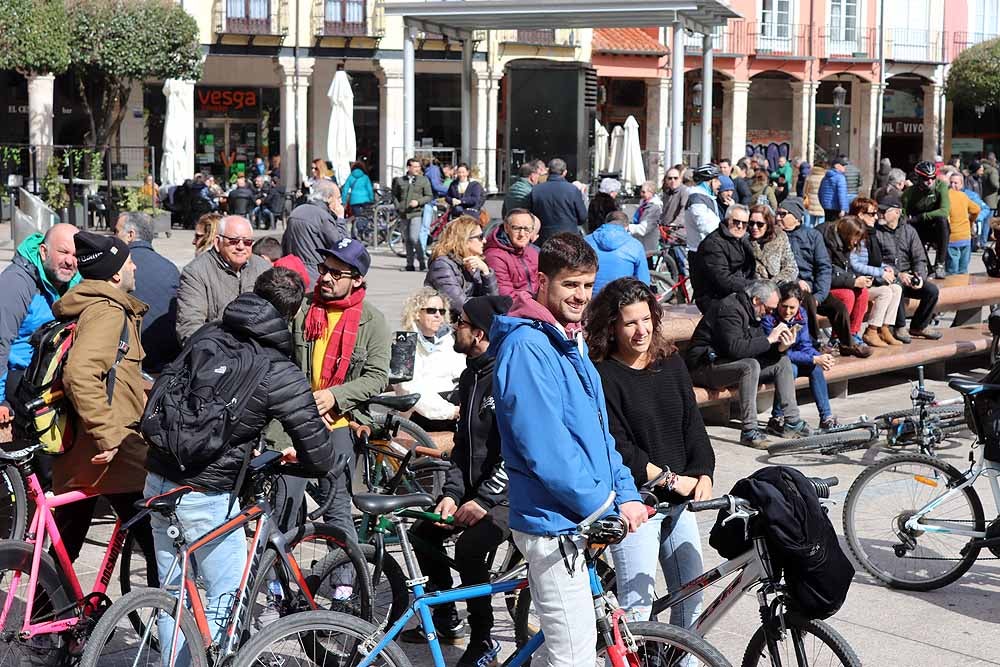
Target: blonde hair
[417, 300]
[322, 171]
[210, 224]
[455, 238]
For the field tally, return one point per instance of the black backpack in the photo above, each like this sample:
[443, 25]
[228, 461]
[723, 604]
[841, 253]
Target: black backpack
[200, 396]
[992, 262]
[799, 536]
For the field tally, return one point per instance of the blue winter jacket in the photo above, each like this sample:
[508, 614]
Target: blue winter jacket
[984, 210]
[436, 177]
[560, 458]
[813, 260]
[25, 304]
[358, 189]
[619, 255]
[804, 349]
[833, 191]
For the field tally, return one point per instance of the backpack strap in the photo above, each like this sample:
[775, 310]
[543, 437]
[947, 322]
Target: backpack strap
[123, 341]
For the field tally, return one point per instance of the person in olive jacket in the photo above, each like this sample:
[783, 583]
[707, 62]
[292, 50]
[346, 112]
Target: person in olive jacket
[475, 490]
[725, 259]
[411, 192]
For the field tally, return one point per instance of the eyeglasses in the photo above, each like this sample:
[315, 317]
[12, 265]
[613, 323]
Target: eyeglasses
[673, 178]
[459, 322]
[236, 240]
[521, 230]
[781, 213]
[758, 224]
[476, 237]
[435, 311]
[336, 274]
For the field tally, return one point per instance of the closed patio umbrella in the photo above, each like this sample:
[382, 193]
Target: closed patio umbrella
[616, 152]
[341, 141]
[177, 160]
[600, 147]
[633, 171]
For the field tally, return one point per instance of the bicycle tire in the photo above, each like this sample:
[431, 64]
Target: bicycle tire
[50, 595]
[397, 232]
[867, 557]
[756, 650]
[312, 625]
[112, 626]
[691, 645]
[391, 597]
[811, 444]
[409, 435]
[943, 411]
[13, 504]
[312, 564]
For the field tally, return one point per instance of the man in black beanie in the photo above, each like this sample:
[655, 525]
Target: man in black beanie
[475, 490]
[103, 381]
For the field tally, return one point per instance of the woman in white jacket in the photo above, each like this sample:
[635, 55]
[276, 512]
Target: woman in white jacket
[437, 366]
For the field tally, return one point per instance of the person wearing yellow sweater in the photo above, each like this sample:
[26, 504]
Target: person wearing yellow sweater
[961, 215]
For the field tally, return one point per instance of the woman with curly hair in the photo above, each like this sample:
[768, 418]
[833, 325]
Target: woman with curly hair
[657, 427]
[204, 232]
[437, 365]
[457, 268]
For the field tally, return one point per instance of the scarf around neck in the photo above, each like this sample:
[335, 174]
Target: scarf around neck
[340, 345]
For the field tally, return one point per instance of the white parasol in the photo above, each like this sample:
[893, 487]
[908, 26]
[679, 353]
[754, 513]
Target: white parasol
[616, 152]
[633, 171]
[178, 158]
[341, 141]
[600, 147]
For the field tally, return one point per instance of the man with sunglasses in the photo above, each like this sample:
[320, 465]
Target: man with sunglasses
[725, 259]
[926, 205]
[215, 278]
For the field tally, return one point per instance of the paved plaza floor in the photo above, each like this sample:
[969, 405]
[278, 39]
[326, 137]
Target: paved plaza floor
[953, 627]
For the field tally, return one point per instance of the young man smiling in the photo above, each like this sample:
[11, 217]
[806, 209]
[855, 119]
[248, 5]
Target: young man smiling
[561, 460]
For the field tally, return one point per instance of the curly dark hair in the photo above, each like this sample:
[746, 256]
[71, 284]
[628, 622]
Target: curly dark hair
[604, 310]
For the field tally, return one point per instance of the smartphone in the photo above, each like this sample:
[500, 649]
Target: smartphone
[796, 329]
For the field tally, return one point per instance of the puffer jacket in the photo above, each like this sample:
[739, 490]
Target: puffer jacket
[448, 275]
[477, 470]
[775, 259]
[810, 193]
[516, 270]
[902, 248]
[618, 255]
[833, 191]
[763, 194]
[812, 259]
[284, 395]
[517, 195]
[727, 264]
[208, 285]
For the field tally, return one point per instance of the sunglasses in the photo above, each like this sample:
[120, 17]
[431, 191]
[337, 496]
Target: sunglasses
[758, 224]
[738, 223]
[435, 311]
[459, 321]
[673, 178]
[476, 237]
[781, 213]
[236, 240]
[336, 274]
[198, 237]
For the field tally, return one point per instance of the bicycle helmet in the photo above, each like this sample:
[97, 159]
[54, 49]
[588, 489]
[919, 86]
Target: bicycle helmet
[925, 169]
[706, 172]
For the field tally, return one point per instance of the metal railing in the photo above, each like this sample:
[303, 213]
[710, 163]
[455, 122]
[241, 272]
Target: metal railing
[853, 44]
[915, 45]
[251, 17]
[961, 40]
[728, 39]
[778, 40]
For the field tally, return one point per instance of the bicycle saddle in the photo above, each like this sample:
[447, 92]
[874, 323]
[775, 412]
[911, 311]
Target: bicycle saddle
[20, 455]
[374, 503]
[966, 387]
[398, 403]
[165, 503]
[426, 463]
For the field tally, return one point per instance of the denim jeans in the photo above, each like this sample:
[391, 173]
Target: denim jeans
[958, 259]
[426, 219]
[984, 231]
[817, 385]
[812, 220]
[220, 563]
[672, 538]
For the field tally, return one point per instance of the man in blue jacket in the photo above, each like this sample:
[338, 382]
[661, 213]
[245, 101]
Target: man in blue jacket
[620, 255]
[44, 267]
[557, 203]
[833, 190]
[561, 460]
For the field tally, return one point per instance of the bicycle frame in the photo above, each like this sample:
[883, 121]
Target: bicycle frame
[981, 466]
[43, 524]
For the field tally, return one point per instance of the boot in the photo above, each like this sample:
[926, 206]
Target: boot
[885, 332]
[872, 338]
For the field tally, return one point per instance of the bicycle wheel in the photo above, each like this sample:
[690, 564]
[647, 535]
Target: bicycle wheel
[888, 493]
[396, 233]
[390, 594]
[823, 443]
[321, 638]
[347, 588]
[13, 504]
[659, 644]
[408, 435]
[50, 596]
[942, 411]
[115, 642]
[821, 645]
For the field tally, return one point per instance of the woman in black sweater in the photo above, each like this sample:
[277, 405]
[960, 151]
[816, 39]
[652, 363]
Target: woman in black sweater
[655, 421]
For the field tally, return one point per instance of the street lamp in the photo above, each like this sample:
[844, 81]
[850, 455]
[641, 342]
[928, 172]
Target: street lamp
[696, 95]
[839, 96]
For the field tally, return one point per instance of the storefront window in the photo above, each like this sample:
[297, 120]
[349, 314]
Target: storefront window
[366, 122]
[232, 126]
[438, 112]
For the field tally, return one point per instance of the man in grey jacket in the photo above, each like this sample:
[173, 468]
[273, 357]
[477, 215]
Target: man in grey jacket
[318, 223]
[215, 278]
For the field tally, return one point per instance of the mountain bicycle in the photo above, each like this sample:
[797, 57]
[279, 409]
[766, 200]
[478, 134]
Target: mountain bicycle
[926, 425]
[337, 641]
[915, 522]
[784, 636]
[669, 275]
[174, 625]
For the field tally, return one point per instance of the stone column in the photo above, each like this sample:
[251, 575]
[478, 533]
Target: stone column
[677, 92]
[657, 122]
[491, 160]
[390, 79]
[868, 98]
[409, 91]
[41, 89]
[932, 118]
[803, 127]
[294, 118]
[466, 85]
[734, 118]
[706, 98]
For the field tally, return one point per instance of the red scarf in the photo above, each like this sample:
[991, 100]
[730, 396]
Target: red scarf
[341, 344]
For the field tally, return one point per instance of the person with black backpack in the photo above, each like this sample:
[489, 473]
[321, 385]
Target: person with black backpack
[245, 364]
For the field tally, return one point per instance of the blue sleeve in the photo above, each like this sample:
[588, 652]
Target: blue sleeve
[844, 203]
[642, 267]
[860, 266]
[14, 304]
[529, 404]
[437, 184]
[822, 270]
[345, 196]
[802, 352]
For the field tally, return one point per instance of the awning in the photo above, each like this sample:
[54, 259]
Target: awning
[627, 42]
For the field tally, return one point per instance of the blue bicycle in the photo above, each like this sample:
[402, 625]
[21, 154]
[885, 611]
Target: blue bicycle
[328, 639]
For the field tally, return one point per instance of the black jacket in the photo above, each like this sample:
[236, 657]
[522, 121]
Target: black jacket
[902, 248]
[732, 331]
[477, 471]
[727, 263]
[284, 395]
[812, 258]
[559, 205]
[840, 259]
[742, 191]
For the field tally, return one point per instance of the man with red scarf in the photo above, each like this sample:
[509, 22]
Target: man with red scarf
[343, 347]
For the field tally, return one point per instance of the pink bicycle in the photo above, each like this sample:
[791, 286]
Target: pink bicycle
[45, 614]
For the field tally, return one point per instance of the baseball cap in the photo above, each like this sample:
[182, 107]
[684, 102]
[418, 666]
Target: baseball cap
[350, 252]
[889, 200]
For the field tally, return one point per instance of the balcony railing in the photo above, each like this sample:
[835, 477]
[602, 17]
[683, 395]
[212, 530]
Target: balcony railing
[915, 45]
[729, 39]
[544, 36]
[251, 17]
[539, 37]
[347, 18]
[853, 44]
[960, 41]
[778, 40]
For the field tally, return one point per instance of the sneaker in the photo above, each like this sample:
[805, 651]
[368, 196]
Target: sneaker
[449, 627]
[797, 429]
[899, 333]
[480, 653]
[859, 351]
[828, 423]
[775, 426]
[939, 271]
[929, 334]
[754, 439]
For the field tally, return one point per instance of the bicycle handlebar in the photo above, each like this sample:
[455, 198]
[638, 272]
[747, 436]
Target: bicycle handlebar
[433, 453]
[597, 514]
[733, 503]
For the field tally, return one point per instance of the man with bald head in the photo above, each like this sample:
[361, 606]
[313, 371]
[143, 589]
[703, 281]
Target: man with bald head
[43, 268]
[215, 278]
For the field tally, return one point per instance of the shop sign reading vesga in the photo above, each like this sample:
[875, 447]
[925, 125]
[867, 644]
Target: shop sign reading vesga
[212, 101]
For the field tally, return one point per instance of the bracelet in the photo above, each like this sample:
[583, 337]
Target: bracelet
[671, 481]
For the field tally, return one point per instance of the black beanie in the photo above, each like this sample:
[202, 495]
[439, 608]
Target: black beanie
[99, 256]
[480, 310]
